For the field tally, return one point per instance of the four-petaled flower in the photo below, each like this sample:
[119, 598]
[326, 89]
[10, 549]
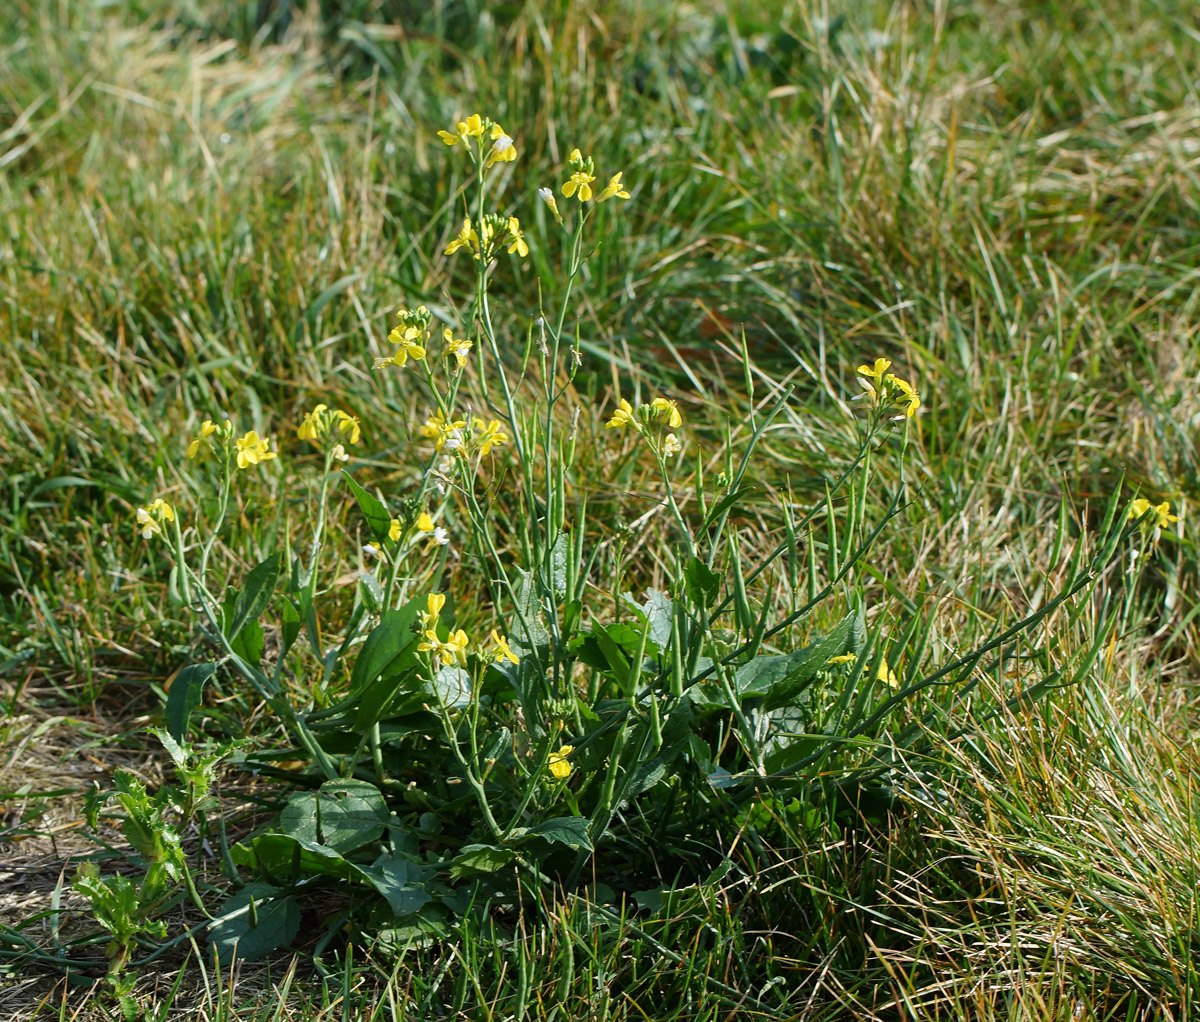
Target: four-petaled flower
[579, 182]
[467, 238]
[251, 450]
[454, 648]
[558, 765]
[347, 423]
[206, 429]
[1161, 516]
[434, 603]
[671, 445]
[314, 424]
[489, 435]
[444, 433]
[623, 416]
[614, 188]
[906, 396]
[664, 406]
[501, 650]
[150, 519]
[472, 127]
[517, 238]
[456, 346]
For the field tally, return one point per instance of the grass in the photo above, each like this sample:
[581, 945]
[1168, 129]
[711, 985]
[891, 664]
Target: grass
[201, 211]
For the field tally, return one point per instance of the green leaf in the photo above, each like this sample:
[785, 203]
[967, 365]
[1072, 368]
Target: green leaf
[804, 665]
[399, 881]
[342, 815]
[725, 503]
[452, 686]
[658, 612]
[290, 628]
[379, 520]
[253, 923]
[558, 565]
[255, 594]
[571, 831]
[187, 692]
[378, 670]
[480, 859]
[701, 583]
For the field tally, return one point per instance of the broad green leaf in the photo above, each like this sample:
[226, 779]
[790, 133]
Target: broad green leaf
[452, 686]
[186, 693]
[480, 859]
[805, 663]
[400, 882]
[384, 645]
[290, 628]
[342, 815]
[571, 831]
[379, 519]
[255, 594]
[253, 923]
[701, 583]
[658, 612]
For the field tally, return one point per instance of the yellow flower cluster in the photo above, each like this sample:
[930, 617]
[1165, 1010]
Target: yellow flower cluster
[411, 338]
[493, 231]
[249, 448]
[452, 435]
[558, 765]
[501, 150]
[453, 648]
[579, 184]
[321, 424]
[150, 519]
[1158, 515]
[657, 414]
[888, 389]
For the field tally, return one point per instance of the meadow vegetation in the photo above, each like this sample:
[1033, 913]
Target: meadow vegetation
[719, 545]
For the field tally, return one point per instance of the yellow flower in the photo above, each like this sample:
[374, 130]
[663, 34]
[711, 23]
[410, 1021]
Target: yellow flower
[206, 429]
[448, 137]
[875, 372]
[314, 424]
[517, 238]
[887, 675]
[907, 396]
[434, 603]
[613, 189]
[458, 347]
[844, 658]
[581, 182]
[503, 150]
[150, 519]
[623, 416]
[424, 522]
[1161, 518]
[662, 406]
[671, 445]
[395, 530]
[489, 435]
[406, 350]
[467, 238]
[558, 765]
[251, 450]
[472, 127]
[443, 433]
[445, 653]
[349, 424]
[501, 649]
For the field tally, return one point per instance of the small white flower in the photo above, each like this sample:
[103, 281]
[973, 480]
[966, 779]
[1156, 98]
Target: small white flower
[440, 536]
[371, 551]
[546, 196]
[339, 454]
[502, 145]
